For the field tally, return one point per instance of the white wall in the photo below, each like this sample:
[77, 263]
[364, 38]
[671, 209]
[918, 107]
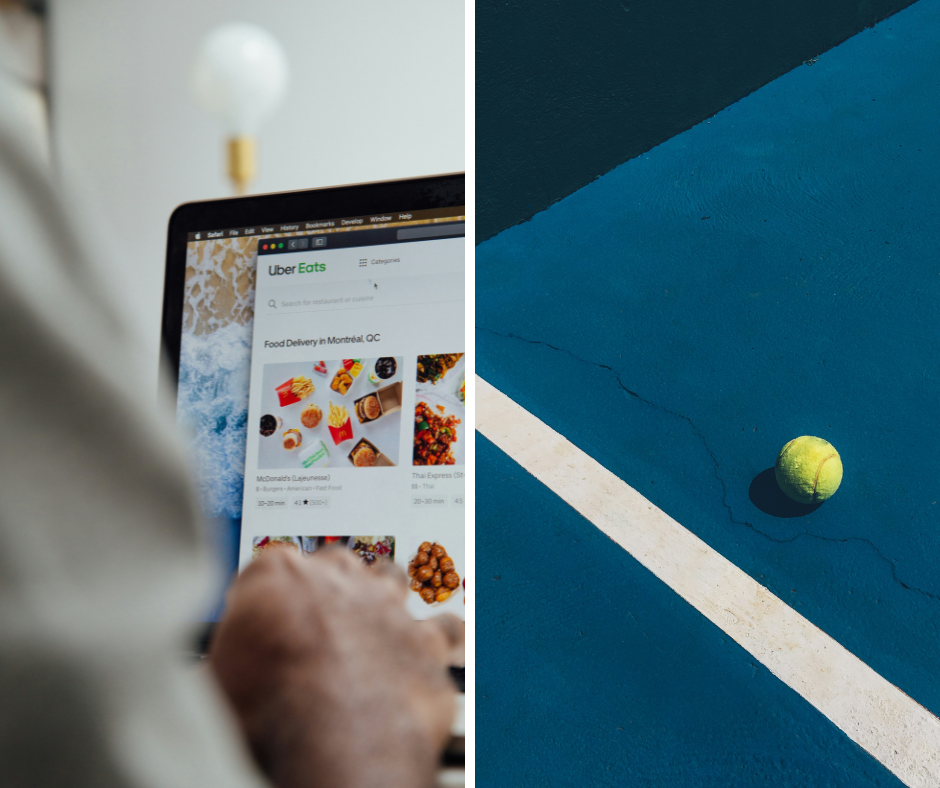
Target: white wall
[377, 92]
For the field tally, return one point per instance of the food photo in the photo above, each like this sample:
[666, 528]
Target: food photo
[435, 574]
[439, 410]
[344, 413]
[261, 544]
[370, 549]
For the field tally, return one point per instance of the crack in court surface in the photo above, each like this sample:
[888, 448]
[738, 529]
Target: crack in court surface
[714, 459]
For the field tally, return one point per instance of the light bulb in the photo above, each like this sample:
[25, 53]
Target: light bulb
[240, 76]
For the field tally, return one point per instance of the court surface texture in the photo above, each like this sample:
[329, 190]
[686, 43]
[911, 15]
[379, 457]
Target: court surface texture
[770, 273]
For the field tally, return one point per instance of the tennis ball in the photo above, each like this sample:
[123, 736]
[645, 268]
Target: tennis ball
[808, 469]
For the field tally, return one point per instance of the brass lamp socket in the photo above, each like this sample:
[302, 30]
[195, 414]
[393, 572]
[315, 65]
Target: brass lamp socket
[241, 162]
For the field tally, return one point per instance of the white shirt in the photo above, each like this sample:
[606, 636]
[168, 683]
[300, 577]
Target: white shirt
[101, 562]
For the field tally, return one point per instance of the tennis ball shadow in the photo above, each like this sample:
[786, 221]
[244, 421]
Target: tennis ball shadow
[767, 496]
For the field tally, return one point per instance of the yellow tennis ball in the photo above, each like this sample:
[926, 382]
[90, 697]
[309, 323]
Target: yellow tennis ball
[808, 469]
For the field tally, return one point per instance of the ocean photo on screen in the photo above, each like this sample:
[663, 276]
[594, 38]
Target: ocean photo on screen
[215, 361]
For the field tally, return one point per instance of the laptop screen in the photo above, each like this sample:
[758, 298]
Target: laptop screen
[321, 382]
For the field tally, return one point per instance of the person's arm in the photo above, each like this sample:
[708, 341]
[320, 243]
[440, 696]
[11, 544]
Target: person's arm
[103, 570]
[332, 680]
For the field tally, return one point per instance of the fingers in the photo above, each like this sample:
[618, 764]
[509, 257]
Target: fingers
[333, 573]
[348, 563]
[451, 627]
[272, 567]
[445, 634]
[394, 573]
[337, 572]
[340, 557]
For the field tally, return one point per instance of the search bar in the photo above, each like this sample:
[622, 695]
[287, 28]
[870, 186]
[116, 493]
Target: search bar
[431, 231]
[393, 291]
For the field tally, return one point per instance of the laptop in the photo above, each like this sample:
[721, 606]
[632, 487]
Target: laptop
[316, 341]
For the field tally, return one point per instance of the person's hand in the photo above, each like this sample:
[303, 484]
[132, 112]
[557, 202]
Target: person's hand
[333, 682]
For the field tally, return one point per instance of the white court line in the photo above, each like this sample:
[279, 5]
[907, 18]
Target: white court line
[871, 711]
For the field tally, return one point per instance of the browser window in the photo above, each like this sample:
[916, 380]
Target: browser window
[333, 409]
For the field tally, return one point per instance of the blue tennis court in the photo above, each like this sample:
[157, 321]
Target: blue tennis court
[772, 272]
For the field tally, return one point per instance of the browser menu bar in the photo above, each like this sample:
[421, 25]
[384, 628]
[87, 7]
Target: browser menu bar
[330, 225]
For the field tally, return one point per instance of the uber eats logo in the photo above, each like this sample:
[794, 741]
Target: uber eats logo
[300, 268]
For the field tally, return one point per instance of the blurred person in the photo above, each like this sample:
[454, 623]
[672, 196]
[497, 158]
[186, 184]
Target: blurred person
[318, 676]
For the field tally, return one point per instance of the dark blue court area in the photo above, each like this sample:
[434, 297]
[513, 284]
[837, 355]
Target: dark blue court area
[770, 273]
[591, 672]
